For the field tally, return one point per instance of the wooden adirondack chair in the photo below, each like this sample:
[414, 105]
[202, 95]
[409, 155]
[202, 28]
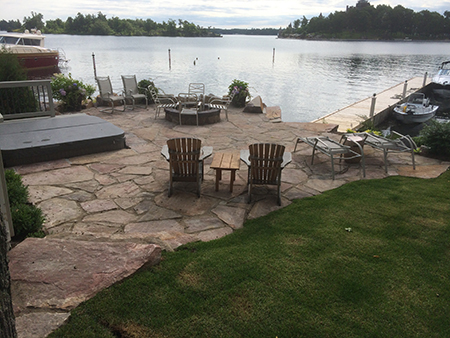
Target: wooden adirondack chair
[265, 162]
[185, 156]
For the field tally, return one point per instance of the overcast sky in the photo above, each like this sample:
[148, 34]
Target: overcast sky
[205, 13]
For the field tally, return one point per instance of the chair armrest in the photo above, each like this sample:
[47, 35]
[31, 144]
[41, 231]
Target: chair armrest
[218, 101]
[287, 158]
[206, 152]
[165, 152]
[245, 154]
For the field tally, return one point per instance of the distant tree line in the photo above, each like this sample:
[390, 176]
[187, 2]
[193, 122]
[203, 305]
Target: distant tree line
[100, 25]
[368, 22]
[243, 31]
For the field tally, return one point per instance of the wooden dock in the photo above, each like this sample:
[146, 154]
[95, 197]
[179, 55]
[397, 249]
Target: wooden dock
[352, 116]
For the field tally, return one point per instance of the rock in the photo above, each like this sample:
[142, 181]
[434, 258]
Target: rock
[39, 324]
[234, 217]
[255, 106]
[60, 274]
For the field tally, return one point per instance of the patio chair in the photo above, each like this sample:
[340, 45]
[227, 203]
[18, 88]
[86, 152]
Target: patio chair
[265, 162]
[221, 104]
[107, 94]
[333, 148]
[199, 90]
[189, 105]
[185, 157]
[131, 89]
[162, 101]
[400, 145]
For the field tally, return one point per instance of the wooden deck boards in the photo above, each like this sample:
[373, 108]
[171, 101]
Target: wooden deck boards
[353, 115]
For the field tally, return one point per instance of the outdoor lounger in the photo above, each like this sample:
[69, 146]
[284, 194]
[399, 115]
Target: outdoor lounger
[402, 144]
[333, 148]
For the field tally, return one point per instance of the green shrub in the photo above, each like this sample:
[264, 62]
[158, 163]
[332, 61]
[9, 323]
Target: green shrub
[143, 85]
[14, 100]
[436, 136]
[70, 92]
[27, 219]
[17, 192]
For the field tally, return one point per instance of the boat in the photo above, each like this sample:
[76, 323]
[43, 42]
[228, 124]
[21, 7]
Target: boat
[31, 51]
[442, 77]
[416, 110]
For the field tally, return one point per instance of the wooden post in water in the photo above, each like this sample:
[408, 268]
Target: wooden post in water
[425, 79]
[273, 57]
[170, 61]
[404, 89]
[93, 61]
[372, 104]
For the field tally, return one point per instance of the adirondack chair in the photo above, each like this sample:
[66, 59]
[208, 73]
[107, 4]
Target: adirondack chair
[265, 162]
[185, 157]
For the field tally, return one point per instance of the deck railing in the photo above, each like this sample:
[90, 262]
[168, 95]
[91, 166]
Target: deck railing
[21, 99]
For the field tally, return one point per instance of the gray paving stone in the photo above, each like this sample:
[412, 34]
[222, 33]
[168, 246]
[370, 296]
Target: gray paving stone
[60, 210]
[232, 216]
[199, 224]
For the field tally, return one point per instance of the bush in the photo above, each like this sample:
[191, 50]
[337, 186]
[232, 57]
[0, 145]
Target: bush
[241, 92]
[70, 92]
[27, 219]
[143, 85]
[436, 136]
[14, 100]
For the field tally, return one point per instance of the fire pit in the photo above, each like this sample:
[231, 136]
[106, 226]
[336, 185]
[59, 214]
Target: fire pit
[207, 116]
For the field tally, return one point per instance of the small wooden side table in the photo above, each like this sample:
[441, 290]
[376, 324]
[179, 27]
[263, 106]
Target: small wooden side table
[225, 161]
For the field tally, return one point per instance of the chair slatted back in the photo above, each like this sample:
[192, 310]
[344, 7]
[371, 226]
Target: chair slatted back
[130, 85]
[265, 163]
[196, 88]
[184, 158]
[104, 86]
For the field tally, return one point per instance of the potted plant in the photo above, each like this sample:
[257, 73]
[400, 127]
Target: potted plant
[241, 92]
[71, 93]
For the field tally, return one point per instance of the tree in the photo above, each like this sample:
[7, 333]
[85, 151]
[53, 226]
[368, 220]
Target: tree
[35, 21]
[7, 320]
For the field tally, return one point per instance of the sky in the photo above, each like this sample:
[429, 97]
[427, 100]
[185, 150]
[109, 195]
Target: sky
[205, 13]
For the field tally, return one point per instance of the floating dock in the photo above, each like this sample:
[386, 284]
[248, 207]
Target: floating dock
[377, 107]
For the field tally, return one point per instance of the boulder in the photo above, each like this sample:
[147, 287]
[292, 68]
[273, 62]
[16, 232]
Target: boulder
[255, 106]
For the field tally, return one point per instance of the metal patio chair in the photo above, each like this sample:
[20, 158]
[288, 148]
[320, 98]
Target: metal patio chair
[131, 90]
[107, 94]
[162, 101]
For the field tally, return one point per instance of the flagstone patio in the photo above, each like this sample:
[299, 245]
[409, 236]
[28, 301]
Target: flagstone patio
[121, 196]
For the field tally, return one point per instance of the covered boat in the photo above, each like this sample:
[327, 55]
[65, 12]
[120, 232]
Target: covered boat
[416, 110]
[31, 51]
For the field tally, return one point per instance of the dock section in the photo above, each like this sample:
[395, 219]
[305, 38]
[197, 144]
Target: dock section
[352, 116]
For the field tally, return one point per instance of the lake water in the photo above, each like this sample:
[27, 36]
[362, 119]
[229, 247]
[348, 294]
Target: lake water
[307, 79]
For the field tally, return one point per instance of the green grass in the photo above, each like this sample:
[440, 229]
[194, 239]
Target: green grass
[298, 273]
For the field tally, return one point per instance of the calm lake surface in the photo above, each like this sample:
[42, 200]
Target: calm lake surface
[307, 79]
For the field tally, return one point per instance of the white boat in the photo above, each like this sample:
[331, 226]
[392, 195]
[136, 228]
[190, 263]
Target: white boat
[442, 77]
[416, 110]
[30, 49]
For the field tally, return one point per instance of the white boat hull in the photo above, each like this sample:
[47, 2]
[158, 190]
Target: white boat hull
[419, 115]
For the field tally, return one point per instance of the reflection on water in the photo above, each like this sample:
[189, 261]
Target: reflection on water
[307, 79]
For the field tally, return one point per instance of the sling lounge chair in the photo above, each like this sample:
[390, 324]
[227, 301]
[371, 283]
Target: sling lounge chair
[131, 90]
[221, 104]
[400, 145]
[265, 162]
[107, 94]
[332, 148]
[162, 101]
[185, 157]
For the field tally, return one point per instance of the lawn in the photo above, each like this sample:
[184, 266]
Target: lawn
[369, 259]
